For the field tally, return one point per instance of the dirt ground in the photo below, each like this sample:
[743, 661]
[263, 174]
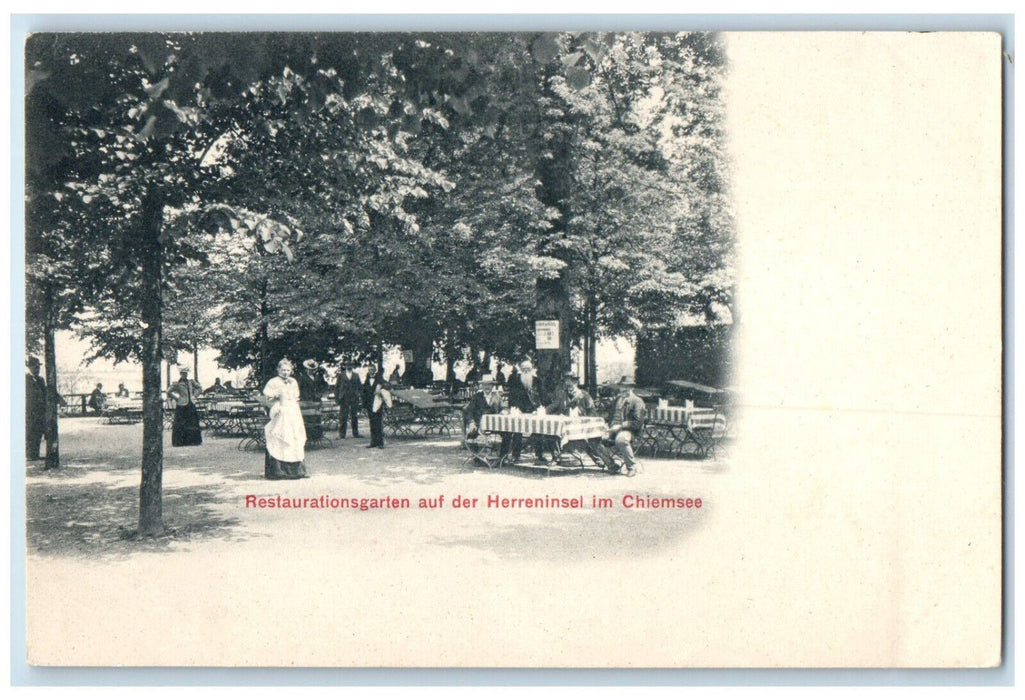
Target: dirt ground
[232, 584]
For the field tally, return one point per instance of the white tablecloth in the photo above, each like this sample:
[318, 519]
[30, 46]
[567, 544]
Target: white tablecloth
[682, 415]
[565, 428]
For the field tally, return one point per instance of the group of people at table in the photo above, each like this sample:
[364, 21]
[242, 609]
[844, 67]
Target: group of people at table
[569, 399]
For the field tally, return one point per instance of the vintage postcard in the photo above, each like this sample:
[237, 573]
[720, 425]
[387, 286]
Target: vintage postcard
[541, 349]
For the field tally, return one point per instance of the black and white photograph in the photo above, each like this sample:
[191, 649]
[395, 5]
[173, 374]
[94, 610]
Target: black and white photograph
[525, 349]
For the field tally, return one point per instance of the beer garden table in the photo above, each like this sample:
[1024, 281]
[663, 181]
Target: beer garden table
[671, 428]
[123, 410]
[234, 417]
[570, 432]
[419, 413]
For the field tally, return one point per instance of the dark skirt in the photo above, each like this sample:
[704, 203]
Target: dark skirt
[276, 469]
[185, 430]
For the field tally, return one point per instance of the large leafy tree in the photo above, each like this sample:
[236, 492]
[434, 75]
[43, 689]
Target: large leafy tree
[61, 275]
[140, 116]
[132, 117]
[634, 132]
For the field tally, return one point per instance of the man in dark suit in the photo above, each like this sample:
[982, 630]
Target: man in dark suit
[370, 388]
[349, 394]
[35, 409]
[523, 396]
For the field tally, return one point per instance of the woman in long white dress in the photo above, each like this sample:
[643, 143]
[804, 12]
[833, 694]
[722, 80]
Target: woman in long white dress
[285, 433]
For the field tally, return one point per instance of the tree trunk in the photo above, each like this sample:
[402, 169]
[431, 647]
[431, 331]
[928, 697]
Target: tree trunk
[592, 362]
[450, 368]
[50, 362]
[195, 362]
[151, 515]
[553, 304]
[586, 375]
[420, 371]
[553, 301]
[591, 343]
[265, 369]
[585, 346]
[450, 358]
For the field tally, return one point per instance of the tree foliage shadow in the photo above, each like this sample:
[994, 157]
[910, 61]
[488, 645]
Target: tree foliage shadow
[89, 520]
[578, 535]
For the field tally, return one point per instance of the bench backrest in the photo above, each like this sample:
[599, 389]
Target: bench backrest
[708, 420]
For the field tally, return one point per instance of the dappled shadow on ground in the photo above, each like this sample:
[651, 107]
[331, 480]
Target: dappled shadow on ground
[585, 534]
[95, 519]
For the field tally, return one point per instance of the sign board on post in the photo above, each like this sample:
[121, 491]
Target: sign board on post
[546, 335]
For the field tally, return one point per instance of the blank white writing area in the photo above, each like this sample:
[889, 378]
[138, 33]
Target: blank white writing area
[867, 188]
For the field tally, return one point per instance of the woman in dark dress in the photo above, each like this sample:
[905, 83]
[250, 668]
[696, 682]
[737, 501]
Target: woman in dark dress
[185, 430]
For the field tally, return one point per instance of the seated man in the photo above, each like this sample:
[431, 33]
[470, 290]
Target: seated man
[215, 388]
[486, 399]
[97, 399]
[627, 419]
[570, 399]
[570, 396]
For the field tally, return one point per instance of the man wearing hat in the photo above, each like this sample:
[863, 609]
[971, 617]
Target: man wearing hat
[486, 399]
[185, 430]
[35, 409]
[628, 415]
[568, 396]
[349, 394]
